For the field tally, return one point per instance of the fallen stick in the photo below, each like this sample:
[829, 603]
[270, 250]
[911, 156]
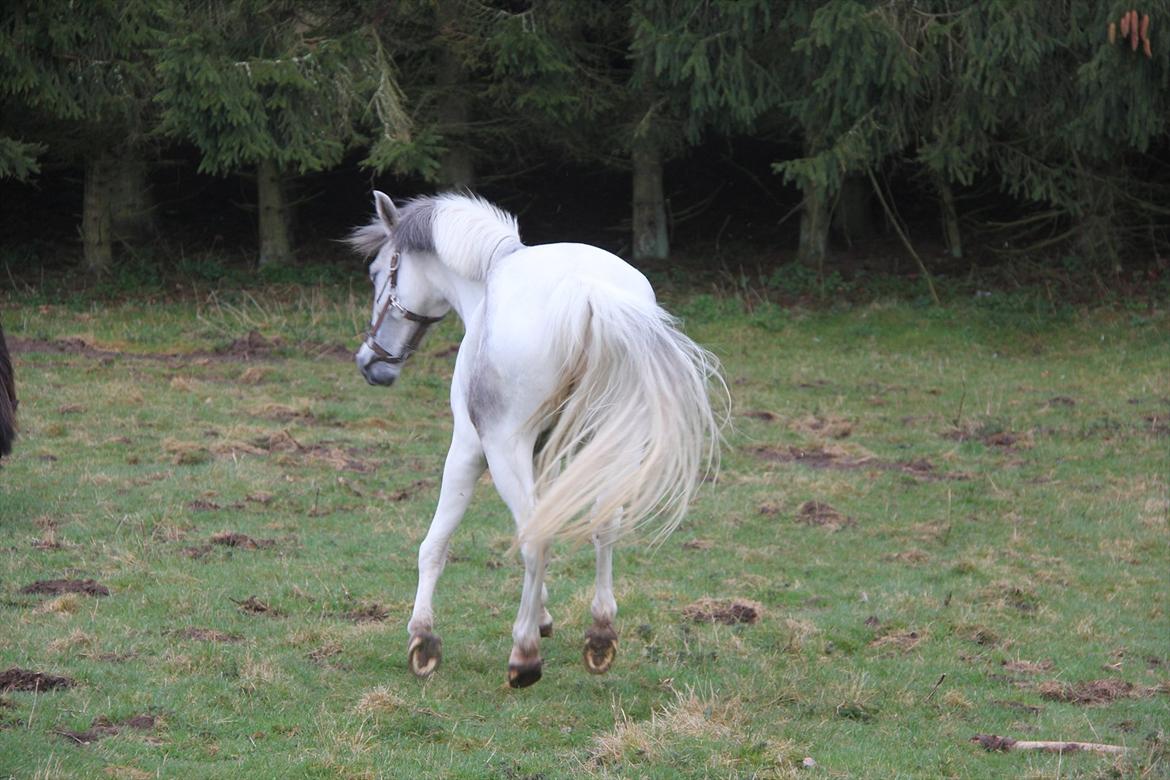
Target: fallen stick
[992, 742]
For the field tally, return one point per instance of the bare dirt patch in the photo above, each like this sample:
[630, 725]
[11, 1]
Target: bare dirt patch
[255, 606]
[252, 346]
[837, 459]
[726, 611]
[821, 515]
[813, 457]
[17, 679]
[762, 414]
[235, 539]
[1005, 440]
[828, 427]
[103, 727]
[202, 505]
[402, 494]
[58, 587]
[207, 635]
[901, 641]
[698, 544]
[1091, 692]
[368, 613]
[285, 445]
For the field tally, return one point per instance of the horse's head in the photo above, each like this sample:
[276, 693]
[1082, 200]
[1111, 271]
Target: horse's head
[406, 303]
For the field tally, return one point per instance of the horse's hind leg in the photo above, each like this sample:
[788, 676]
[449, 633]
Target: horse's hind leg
[524, 662]
[465, 463]
[510, 462]
[546, 621]
[601, 638]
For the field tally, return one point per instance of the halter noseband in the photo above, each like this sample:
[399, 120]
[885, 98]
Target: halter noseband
[381, 354]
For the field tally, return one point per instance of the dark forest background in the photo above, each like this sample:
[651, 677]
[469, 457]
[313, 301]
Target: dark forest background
[776, 145]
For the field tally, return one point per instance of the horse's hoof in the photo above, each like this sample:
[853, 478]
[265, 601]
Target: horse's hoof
[600, 649]
[546, 630]
[523, 675]
[424, 654]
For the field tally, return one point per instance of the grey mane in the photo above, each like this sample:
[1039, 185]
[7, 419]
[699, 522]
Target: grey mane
[414, 231]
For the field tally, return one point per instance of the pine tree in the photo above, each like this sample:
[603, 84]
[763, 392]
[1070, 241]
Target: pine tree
[280, 88]
[576, 77]
[77, 79]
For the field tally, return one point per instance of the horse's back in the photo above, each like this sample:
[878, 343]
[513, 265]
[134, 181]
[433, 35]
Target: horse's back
[541, 269]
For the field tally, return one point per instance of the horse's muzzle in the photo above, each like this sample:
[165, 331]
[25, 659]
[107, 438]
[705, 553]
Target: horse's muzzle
[376, 372]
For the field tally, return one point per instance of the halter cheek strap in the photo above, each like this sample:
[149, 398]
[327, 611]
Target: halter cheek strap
[382, 355]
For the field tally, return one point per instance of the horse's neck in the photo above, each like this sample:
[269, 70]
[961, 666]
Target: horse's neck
[464, 295]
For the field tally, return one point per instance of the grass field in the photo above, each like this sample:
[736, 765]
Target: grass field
[949, 522]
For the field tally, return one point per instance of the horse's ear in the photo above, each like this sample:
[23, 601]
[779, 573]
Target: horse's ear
[386, 209]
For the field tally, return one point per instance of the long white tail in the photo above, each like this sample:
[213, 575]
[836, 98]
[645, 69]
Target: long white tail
[630, 427]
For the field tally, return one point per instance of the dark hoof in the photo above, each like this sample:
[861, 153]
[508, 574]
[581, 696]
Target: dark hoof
[600, 649]
[546, 630]
[424, 654]
[523, 675]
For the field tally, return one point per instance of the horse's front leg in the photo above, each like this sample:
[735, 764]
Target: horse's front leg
[465, 463]
[601, 638]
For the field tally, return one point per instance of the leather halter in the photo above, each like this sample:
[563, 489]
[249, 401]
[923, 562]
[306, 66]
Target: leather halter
[381, 354]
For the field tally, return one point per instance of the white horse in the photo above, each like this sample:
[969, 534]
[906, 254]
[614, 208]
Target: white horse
[571, 385]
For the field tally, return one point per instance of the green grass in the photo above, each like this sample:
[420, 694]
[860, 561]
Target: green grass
[1024, 548]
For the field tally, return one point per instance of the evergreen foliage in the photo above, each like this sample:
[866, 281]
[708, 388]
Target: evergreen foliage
[1035, 100]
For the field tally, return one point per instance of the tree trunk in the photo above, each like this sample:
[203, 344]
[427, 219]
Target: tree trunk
[650, 237]
[275, 244]
[814, 229]
[853, 218]
[96, 217]
[950, 219]
[131, 205]
[456, 168]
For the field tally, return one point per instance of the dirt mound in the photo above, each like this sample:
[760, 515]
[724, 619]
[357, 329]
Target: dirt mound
[813, 457]
[1089, 691]
[822, 515]
[57, 587]
[234, 539]
[17, 679]
[838, 459]
[252, 346]
[104, 727]
[368, 613]
[255, 606]
[726, 611]
[901, 641]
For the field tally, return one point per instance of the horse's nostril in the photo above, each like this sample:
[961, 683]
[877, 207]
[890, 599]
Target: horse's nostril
[379, 374]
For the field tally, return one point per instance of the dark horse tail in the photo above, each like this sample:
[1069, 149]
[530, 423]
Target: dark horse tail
[7, 399]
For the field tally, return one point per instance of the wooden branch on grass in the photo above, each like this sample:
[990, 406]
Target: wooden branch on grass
[992, 742]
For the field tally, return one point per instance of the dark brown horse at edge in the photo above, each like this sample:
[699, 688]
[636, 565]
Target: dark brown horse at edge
[7, 399]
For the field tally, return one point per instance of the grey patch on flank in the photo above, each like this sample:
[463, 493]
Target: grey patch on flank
[483, 400]
[415, 229]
